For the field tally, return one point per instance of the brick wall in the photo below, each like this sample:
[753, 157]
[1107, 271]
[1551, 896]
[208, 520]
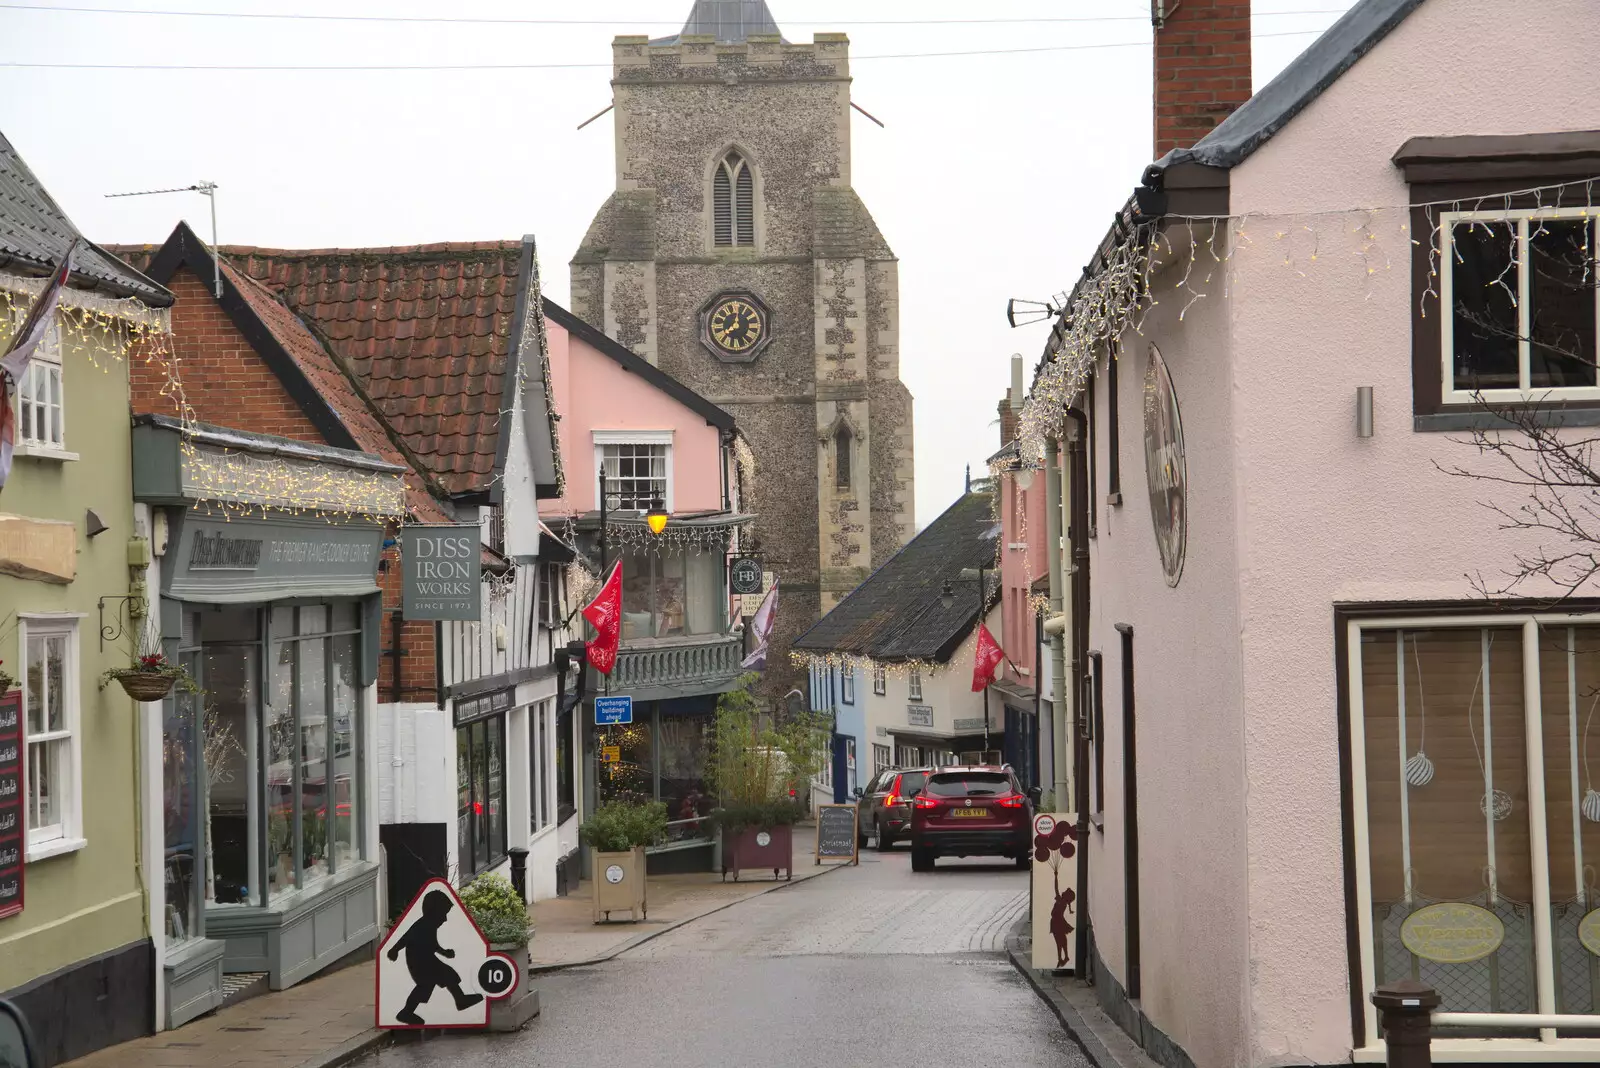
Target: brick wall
[1008, 421]
[418, 680]
[1202, 69]
[225, 380]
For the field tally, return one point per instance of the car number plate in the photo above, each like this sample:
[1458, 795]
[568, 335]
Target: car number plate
[969, 813]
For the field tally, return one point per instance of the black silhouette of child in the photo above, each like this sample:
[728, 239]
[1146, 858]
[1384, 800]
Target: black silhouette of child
[421, 943]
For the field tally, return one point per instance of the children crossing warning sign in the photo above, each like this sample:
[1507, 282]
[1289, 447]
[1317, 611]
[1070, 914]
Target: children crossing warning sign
[435, 968]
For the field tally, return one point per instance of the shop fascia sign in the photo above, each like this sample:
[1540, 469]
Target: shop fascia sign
[485, 706]
[919, 715]
[441, 570]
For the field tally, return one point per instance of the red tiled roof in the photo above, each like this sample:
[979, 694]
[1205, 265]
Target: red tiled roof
[425, 328]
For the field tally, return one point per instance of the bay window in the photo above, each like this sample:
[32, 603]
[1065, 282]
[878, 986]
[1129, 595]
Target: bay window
[1477, 821]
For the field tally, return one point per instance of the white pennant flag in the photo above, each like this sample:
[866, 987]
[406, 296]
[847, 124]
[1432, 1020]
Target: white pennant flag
[761, 625]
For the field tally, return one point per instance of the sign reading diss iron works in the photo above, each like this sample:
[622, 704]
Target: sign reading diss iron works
[442, 572]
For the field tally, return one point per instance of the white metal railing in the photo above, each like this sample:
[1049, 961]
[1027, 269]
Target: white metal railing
[1529, 1020]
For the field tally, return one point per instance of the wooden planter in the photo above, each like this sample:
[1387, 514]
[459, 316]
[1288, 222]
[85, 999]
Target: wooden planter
[145, 685]
[759, 847]
[619, 884]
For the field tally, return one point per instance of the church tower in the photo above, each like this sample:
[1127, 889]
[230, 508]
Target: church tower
[735, 255]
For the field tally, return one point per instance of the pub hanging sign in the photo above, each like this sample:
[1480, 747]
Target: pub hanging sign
[442, 572]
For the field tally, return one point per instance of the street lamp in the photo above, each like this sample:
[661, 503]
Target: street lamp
[656, 518]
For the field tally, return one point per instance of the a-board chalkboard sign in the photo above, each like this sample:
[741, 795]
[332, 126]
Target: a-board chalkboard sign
[836, 833]
[12, 835]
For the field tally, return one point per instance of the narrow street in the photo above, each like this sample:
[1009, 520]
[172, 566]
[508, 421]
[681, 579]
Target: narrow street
[871, 964]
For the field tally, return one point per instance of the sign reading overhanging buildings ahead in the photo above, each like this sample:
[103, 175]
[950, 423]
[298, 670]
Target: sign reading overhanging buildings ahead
[442, 572]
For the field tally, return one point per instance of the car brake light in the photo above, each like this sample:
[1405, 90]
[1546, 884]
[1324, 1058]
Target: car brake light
[923, 801]
[891, 800]
[1014, 801]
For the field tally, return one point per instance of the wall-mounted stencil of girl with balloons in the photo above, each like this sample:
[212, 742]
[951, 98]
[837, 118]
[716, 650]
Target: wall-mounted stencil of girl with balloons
[1055, 848]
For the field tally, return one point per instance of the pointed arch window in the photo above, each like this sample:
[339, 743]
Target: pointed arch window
[733, 195]
[842, 442]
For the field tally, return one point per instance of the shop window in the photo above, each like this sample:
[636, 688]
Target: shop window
[41, 397]
[881, 758]
[847, 684]
[182, 793]
[670, 592]
[1481, 819]
[552, 595]
[850, 761]
[566, 796]
[880, 680]
[684, 745]
[481, 795]
[915, 685]
[50, 694]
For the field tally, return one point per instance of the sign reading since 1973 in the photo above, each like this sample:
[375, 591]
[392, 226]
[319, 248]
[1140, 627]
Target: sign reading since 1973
[443, 570]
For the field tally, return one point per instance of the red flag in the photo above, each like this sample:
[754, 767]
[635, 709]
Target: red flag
[605, 614]
[985, 659]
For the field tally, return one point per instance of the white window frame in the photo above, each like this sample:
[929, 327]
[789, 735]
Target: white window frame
[1541, 1045]
[602, 438]
[1520, 217]
[882, 758]
[67, 835]
[847, 684]
[47, 360]
[880, 679]
[914, 684]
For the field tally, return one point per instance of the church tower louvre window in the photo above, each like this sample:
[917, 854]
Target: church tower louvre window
[733, 194]
[842, 441]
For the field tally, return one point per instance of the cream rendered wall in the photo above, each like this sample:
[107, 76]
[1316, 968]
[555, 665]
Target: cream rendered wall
[1325, 517]
[948, 690]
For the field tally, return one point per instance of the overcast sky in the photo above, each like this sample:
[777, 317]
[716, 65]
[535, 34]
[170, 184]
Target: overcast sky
[995, 177]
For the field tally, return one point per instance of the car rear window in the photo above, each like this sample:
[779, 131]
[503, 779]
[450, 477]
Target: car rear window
[970, 783]
[911, 782]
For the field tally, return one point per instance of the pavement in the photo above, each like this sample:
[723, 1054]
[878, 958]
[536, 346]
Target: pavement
[327, 1022]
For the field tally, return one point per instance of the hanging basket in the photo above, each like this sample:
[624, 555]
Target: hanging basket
[145, 685]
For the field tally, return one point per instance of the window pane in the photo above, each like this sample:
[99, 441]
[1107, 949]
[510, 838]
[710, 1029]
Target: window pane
[282, 749]
[55, 654]
[464, 797]
[1449, 701]
[230, 681]
[632, 776]
[345, 796]
[344, 616]
[36, 686]
[1484, 317]
[1561, 303]
[480, 794]
[671, 606]
[685, 749]
[1569, 673]
[495, 735]
[313, 619]
[180, 783]
[311, 703]
[636, 589]
[44, 787]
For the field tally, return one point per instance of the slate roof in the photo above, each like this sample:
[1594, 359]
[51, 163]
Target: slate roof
[1269, 110]
[35, 232]
[427, 329]
[733, 21]
[896, 614]
[333, 401]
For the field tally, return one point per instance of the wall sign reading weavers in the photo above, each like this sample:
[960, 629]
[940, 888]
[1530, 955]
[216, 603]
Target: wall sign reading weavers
[1165, 469]
[442, 571]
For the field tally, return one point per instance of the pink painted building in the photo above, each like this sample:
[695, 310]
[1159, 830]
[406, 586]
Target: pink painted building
[1322, 760]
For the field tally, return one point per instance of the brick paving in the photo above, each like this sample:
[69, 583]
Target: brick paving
[328, 1021]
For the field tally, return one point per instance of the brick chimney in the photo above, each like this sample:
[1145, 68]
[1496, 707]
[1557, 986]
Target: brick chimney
[1008, 421]
[1202, 66]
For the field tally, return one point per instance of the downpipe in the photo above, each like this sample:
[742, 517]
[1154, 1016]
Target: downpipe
[1079, 495]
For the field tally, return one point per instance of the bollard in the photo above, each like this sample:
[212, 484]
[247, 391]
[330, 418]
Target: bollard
[1405, 1013]
[519, 870]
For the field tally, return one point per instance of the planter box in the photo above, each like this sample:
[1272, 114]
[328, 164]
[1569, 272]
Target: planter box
[514, 1012]
[619, 884]
[759, 848]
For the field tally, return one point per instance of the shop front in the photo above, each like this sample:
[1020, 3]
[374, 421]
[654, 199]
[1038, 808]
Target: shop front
[268, 832]
[664, 756]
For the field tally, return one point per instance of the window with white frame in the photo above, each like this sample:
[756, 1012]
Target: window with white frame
[1519, 288]
[638, 469]
[847, 684]
[1477, 822]
[880, 679]
[41, 398]
[915, 684]
[552, 594]
[882, 758]
[50, 695]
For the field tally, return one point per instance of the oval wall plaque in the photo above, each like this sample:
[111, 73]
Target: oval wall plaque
[1589, 932]
[1452, 932]
[1165, 468]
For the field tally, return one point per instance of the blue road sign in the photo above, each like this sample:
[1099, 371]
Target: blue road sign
[610, 711]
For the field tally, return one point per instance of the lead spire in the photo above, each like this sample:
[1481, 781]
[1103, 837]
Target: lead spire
[733, 21]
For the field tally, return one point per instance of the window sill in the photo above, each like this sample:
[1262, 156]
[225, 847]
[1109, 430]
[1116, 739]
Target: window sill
[1097, 820]
[1478, 419]
[44, 452]
[55, 847]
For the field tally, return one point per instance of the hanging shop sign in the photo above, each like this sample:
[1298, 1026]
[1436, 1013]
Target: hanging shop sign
[12, 835]
[919, 715]
[1166, 470]
[744, 575]
[230, 561]
[484, 707]
[442, 572]
[1452, 932]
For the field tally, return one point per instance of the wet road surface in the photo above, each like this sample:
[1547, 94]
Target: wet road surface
[874, 965]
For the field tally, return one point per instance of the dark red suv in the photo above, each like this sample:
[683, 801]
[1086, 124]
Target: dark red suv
[971, 812]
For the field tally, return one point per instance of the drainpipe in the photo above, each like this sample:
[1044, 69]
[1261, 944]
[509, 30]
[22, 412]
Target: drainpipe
[1054, 626]
[1077, 533]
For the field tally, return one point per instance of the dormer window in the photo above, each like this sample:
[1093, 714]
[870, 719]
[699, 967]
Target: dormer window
[733, 196]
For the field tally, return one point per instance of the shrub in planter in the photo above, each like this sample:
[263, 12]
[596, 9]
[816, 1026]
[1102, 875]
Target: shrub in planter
[765, 815]
[497, 909]
[618, 826]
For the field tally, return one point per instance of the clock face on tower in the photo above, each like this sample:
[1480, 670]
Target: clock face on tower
[735, 326]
